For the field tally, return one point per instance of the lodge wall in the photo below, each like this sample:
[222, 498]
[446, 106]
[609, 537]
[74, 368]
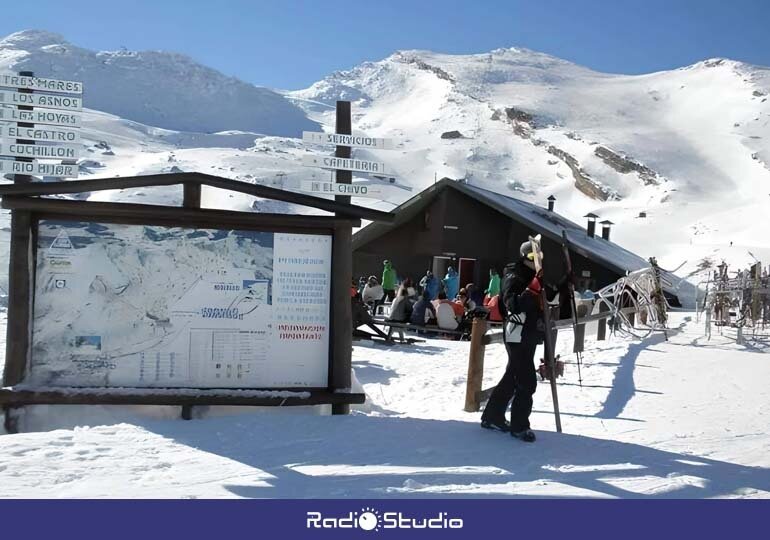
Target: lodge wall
[458, 226]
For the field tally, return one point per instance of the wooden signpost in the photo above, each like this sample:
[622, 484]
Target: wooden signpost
[333, 188]
[342, 162]
[343, 166]
[30, 101]
[37, 168]
[357, 141]
[346, 164]
[40, 133]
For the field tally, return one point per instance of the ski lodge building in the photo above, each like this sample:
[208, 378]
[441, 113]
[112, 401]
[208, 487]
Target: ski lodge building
[453, 223]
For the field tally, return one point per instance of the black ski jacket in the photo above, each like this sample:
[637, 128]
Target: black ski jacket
[515, 298]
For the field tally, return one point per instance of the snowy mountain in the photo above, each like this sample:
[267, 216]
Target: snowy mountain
[689, 147]
[160, 89]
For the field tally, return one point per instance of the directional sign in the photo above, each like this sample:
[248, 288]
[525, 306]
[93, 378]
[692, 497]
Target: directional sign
[40, 116]
[35, 168]
[359, 141]
[345, 164]
[10, 148]
[332, 188]
[68, 103]
[47, 134]
[38, 83]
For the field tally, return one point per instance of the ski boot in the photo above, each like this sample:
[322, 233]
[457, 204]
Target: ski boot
[500, 425]
[526, 435]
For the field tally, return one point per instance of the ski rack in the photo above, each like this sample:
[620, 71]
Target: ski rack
[744, 296]
[638, 292]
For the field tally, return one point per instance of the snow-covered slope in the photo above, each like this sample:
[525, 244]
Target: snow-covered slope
[157, 88]
[691, 147]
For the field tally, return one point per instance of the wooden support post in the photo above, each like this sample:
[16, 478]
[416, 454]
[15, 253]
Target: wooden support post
[601, 332]
[341, 349]
[187, 411]
[11, 420]
[191, 195]
[191, 198]
[19, 327]
[475, 365]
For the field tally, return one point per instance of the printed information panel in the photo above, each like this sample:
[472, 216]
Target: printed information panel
[145, 306]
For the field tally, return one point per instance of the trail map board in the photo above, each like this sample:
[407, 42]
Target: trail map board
[230, 308]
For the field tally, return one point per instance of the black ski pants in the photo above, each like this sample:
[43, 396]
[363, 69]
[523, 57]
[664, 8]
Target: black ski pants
[518, 383]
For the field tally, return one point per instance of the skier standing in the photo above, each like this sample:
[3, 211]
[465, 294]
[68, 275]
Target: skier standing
[493, 289]
[520, 295]
[388, 280]
[429, 285]
[451, 283]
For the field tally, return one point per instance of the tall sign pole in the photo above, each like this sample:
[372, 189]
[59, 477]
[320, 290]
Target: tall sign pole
[19, 280]
[35, 120]
[344, 127]
[342, 255]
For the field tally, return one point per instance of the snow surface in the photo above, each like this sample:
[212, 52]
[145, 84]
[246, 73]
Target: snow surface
[678, 418]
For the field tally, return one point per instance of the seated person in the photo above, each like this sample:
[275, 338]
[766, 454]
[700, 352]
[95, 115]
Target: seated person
[401, 308]
[492, 304]
[465, 301]
[411, 290]
[458, 308]
[373, 292]
[423, 311]
[445, 316]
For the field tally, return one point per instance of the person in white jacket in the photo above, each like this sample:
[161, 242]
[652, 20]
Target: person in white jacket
[373, 292]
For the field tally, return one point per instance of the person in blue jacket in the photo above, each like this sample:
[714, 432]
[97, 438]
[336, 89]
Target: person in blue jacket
[429, 285]
[423, 311]
[451, 283]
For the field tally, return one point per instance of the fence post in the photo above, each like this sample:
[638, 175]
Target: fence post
[475, 365]
[601, 331]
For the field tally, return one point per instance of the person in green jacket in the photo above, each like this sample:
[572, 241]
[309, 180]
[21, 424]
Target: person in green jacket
[494, 283]
[388, 280]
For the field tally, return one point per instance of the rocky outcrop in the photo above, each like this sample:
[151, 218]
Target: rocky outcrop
[625, 165]
[421, 64]
[583, 181]
[518, 115]
[452, 135]
[524, 125]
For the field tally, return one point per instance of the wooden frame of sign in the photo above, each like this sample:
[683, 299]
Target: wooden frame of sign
[28, 207]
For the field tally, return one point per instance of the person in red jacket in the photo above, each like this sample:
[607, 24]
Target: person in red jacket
[492, 304]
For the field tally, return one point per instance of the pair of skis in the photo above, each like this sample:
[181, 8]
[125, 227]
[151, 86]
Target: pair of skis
[550, 359]
[577, 349]
[537, 254]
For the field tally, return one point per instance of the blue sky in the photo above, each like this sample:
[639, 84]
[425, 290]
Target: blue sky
[292, 43]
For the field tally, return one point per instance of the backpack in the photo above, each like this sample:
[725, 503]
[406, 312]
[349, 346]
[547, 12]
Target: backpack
[510, 287]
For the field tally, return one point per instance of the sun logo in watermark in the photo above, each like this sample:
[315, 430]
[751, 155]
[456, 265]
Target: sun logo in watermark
[369, 519]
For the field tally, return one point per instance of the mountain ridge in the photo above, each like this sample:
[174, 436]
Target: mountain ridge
[167, 90]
